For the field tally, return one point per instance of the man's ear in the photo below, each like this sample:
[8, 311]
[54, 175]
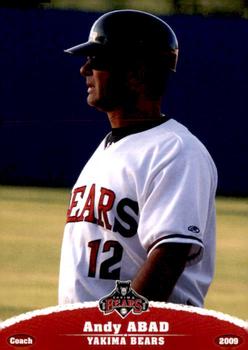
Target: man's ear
[136, 79]
[138, 73]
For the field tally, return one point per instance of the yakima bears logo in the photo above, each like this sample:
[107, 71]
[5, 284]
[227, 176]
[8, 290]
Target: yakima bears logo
[123, 299]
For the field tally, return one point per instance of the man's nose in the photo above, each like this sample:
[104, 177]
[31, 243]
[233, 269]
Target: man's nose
[86, 70]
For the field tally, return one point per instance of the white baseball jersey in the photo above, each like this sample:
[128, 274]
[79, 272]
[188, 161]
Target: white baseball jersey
[152, 187]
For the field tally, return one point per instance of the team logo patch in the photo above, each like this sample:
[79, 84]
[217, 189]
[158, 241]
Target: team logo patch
[123, 300]
[194, 229]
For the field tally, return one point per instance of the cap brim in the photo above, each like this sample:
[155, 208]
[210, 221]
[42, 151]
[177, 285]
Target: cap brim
[84, 49]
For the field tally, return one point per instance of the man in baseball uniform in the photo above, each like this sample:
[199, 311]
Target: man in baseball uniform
[143, 207]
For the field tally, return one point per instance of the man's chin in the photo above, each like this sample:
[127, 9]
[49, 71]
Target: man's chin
[102, 106]
[90, 100]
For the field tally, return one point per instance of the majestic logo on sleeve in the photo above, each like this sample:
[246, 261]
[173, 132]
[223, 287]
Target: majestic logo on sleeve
[194, 229]
[123, 300]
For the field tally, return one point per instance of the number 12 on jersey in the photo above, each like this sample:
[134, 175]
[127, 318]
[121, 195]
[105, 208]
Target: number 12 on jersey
[105, 271]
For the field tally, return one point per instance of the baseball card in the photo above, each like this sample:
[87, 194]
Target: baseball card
[123, 180]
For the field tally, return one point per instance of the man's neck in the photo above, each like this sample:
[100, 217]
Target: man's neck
[145, 112]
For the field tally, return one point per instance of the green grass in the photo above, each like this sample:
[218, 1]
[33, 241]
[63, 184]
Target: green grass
[204, 7]
[32, 221]
[229, 291]
[160, 6]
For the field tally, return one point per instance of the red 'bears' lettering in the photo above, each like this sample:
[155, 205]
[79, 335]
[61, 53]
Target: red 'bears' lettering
[105, 204]
[93, 206]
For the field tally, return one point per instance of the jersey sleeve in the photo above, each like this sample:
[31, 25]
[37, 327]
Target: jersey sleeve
[177, 199]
